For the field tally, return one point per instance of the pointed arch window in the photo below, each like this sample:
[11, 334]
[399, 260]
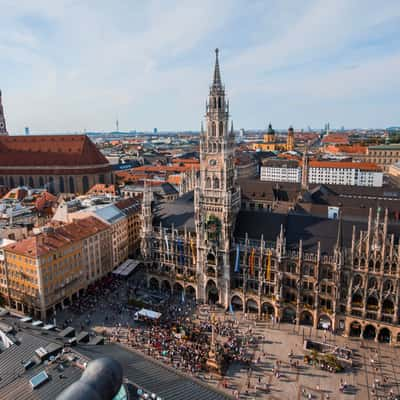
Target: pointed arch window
[61, 184]
[71, 184]
[51, 185]
[41, 182]
[85, 183]
[219, 103]
[213, 129]
[208, 183]
[31, 184]
[216, 183]
[221, 128]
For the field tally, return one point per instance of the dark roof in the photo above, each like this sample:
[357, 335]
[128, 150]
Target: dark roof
[128, 206]
[14, 379]
[254, 189]
[307, 228]
[152, 376]
[179, 212]
[49, 150]
[280, 163]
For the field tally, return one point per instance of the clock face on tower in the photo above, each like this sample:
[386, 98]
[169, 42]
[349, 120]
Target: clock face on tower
[212, 162]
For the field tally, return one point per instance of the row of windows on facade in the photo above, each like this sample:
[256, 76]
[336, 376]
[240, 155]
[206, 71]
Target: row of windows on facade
[384, 153]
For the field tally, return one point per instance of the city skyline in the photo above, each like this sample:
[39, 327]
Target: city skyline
[69, 66]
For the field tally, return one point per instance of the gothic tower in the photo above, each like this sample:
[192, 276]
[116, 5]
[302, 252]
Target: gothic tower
[3, 128]
[217, 198]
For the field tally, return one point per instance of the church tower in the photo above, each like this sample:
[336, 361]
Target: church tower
[290, 139]
[3, 128]
[217, 198]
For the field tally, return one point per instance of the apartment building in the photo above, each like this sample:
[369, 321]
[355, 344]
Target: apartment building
[3, 276]
[45, 272]
[344, 173]
[118, 222]
[132, 210]
[322, 172]
[383, 155]
[281, 170]
[96, 246]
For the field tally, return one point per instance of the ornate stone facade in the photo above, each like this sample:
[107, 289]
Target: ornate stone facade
[323, 273]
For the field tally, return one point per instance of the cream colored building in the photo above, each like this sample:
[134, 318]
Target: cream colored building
[118, 222]
[45, 272]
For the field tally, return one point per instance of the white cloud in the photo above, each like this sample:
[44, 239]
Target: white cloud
[72, 65]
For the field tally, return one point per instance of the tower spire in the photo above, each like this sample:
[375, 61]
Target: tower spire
[217, 74]
[3, 128]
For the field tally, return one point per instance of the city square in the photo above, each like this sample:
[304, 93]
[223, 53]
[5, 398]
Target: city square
[270, 354]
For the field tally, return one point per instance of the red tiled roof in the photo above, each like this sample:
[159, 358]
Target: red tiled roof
[100, 188]
[45, 200]
[48, 242]
[49, 150]
[335, 138]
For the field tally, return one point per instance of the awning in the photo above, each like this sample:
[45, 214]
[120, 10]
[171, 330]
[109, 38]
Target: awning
[126, 268]
[149, 313]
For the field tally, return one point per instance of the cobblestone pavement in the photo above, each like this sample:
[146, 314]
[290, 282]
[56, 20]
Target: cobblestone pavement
[375, 380]
[371, 380]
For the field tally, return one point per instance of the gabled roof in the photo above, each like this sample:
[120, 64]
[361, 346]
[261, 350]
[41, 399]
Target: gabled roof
[55, 239]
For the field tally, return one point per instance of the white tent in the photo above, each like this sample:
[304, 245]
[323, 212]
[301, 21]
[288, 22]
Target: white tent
[148, 313]
[126, 268]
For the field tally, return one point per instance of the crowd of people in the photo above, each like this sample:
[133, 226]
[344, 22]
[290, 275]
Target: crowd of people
[183, 341]
[186, 336]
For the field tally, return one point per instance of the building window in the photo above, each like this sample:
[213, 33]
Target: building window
[61, 184]
[71, 185]
[85, 183]
[213, 129]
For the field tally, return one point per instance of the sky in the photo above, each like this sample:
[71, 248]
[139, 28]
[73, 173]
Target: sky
[70, 66]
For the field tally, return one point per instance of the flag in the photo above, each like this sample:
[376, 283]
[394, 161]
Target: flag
[166, 243]
[237, 266]
[183, 296]
[230, 308]
[268, 269]
[193, 251]
[251, 261]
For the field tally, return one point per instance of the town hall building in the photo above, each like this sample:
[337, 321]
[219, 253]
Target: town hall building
[327, 273]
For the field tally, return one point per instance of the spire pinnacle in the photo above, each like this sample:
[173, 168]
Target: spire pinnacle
[3, 128]
[339, 237]
[217, 73]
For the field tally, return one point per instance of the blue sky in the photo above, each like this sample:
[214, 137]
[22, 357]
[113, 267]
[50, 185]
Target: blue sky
[80, 64]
